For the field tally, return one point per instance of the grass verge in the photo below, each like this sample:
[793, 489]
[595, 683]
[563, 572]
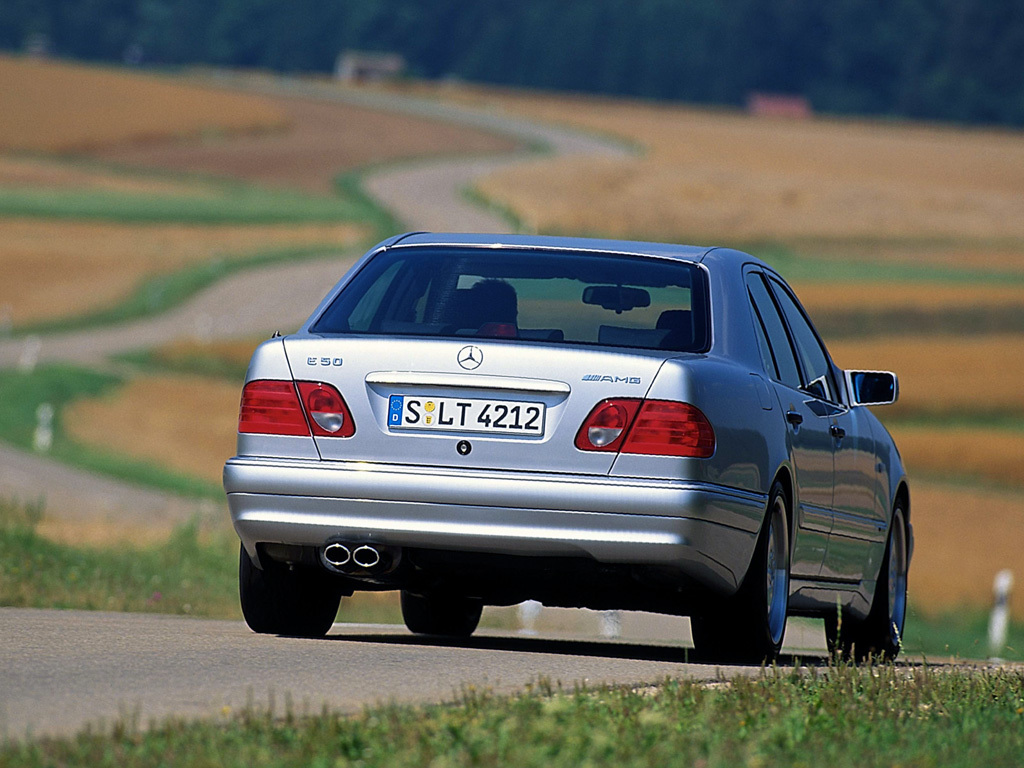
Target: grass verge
[184, 575]
[840, 716]
[58, 385]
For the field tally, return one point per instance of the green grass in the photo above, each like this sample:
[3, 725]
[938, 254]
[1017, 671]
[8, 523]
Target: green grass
[184, 575]
[59, 385]
[959, 634]
[838, 716]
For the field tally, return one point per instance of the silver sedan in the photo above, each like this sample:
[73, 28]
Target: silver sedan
[480, 420]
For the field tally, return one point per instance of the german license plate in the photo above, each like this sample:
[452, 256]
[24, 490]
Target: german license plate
[463, 414]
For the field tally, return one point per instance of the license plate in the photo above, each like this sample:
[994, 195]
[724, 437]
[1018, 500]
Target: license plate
[462, 414]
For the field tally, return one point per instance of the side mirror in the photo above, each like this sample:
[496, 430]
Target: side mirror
[872, 387]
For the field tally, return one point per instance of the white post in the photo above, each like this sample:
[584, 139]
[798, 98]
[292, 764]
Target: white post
[42, 440]
[999, 623]
[611, 624]
[29, 354]
[529, 612]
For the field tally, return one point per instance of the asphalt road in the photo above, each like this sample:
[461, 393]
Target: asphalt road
[62, 670]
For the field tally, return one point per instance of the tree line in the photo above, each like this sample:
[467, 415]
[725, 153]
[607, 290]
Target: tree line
[960, 60]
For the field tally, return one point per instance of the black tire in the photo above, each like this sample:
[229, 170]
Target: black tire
[278, 600]
[446, 616]
[749, 627]
[880, 635]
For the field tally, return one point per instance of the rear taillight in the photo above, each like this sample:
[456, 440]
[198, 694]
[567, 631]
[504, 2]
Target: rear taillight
[668, 428]
[328, 414]
[605, 427]
[275, 408]
[655, 427]
[271, 408]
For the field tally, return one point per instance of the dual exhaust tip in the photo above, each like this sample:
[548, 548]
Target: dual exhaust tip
[353, 558]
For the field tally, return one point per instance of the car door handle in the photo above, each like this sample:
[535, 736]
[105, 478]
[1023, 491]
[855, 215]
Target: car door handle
[794, 418]
[837, 432]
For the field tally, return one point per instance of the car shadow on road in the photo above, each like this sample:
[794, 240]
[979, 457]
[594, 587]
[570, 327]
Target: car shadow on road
[564, 647]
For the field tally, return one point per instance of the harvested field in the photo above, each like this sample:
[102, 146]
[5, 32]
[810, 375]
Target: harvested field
[714, 174]
[60, 268]
[963, 538]
[325, 139]
[52, 106]
[875, 297]
[950, 451]
[39, 173]
[192, 431]
[944, 374]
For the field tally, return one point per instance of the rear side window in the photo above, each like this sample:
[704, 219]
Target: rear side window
[785, 366]
[553, 297]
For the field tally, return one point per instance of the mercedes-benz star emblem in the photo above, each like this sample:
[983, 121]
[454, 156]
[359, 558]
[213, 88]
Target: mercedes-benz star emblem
[470, 357]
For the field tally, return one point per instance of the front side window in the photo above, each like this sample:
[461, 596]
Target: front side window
[813, 358]
[559, 297]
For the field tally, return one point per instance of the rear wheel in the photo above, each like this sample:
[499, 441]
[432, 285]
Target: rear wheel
[440, 615]
[881, 634]
[279, 600]
[749, 626]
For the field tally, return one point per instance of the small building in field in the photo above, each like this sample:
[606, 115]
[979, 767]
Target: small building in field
[779, 105]
[368, 67]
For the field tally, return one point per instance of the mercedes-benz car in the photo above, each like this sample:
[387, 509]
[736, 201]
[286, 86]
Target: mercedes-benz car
[479, 420]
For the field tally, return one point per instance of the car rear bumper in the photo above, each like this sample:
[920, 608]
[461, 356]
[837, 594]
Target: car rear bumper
[708, 532]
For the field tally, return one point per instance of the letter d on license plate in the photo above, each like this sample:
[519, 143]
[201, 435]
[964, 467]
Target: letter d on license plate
[465, 414]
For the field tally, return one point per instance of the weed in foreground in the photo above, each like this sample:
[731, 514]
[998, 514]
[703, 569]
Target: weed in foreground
[840, 716]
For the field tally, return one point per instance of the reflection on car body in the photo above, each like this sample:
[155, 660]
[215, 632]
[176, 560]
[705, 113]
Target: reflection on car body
[480, 420]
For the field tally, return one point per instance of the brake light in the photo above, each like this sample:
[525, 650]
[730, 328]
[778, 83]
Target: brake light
[328, 413]
[604, 428]
[652, 427]
[271, 408]
[669, 428]
[288, 408]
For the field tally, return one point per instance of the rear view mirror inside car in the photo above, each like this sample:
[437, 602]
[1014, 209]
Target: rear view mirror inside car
[616, 297]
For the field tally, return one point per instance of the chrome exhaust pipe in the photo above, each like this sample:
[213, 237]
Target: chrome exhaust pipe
[366, 556]
[337, 555]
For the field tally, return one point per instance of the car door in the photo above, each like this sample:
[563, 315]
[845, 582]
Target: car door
[807, 421]
[855, 522]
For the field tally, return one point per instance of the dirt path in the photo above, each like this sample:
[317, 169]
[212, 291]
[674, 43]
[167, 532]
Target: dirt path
[423, 195]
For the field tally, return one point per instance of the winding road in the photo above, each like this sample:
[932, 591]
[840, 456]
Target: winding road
[60, 670]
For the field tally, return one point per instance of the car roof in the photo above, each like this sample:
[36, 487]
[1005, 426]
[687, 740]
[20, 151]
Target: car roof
[544, 242]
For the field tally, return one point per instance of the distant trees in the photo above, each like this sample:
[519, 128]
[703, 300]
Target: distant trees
[947, 59]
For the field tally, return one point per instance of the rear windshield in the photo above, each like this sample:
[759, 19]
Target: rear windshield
[556, 297]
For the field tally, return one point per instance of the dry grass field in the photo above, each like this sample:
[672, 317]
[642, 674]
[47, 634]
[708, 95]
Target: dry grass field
[951, 375]
[61, 268]
[52, 106]
[192, 432]
[325, 138]
[963, 537]
[43, 173]
[868, 297]
[941, 451]
[720, 174]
